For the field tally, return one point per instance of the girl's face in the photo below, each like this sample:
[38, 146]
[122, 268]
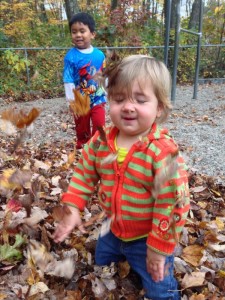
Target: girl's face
[81, 35]
[134, 116]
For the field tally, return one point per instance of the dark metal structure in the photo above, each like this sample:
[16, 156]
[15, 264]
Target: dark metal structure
[178, 29]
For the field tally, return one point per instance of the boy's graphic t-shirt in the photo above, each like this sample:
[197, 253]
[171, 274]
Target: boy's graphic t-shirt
[80, 68]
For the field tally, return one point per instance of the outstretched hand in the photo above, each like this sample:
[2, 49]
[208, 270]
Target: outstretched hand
[67, 224]
[155, 265]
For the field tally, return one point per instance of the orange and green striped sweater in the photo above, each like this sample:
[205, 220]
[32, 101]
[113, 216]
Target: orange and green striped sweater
[125, 192]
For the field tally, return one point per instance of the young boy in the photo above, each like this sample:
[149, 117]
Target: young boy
[81, 65]
[143, 183]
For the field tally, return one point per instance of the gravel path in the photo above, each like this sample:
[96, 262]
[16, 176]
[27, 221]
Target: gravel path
[198, 126]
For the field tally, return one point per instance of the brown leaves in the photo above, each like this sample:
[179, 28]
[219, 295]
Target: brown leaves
[202, 241]
[13, 205]
[20, 119]
[94, 219]
[12, 179]
[39, 256]
[193, 254]
[199, 267]
[109, 159]
[102, 133]
[18, 122]
[193, 279]
[20, 177]
[112, 61]
[123, 269]
[59, 212]
[168, 170]
[81, 104]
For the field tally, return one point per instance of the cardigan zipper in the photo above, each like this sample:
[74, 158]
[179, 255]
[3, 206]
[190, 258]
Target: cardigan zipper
[116, 216]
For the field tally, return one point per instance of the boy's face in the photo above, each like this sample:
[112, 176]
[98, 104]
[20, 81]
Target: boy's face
[81, 35]
[135, 116]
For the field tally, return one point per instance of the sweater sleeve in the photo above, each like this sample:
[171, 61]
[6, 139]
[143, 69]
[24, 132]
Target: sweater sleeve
[84, 179]
[68, 68]
[171, 199]
[69, 87]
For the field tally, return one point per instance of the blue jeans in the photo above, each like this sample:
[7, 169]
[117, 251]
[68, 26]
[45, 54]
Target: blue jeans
[111, 249]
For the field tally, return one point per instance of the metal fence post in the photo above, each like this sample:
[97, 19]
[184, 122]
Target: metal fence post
[197, 64]
[167, 31]
[27, 68]
[176, 51]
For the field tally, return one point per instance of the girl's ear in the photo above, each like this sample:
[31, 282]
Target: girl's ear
[93, 35]
[159, 110]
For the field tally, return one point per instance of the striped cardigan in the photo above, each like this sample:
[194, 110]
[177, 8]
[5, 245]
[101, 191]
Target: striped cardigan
[125, 193]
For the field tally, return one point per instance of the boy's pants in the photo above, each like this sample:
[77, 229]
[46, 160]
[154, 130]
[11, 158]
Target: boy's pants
[111, 249]
[96, 116]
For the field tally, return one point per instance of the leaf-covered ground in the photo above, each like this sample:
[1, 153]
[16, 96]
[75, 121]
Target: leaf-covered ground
[32, 178]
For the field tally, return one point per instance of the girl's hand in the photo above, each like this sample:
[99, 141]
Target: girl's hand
[67, 224]
[155, 265]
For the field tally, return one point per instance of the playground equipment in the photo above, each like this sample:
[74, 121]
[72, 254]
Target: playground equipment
[178, 29]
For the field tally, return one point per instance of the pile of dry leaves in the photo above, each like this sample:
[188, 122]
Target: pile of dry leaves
[32, 266]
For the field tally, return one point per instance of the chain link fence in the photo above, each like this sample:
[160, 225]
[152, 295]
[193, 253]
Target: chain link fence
[38, 69]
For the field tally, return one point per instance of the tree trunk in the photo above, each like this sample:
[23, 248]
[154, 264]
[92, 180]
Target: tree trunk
[221, 41]
[114, 4]
[71, 8]
[195, 12]
[43, 15]
[173, 14]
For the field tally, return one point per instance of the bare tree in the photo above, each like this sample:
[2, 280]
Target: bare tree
[194, 17]
[173, 14]
[43, 15]
[71, 8]
[114, 4]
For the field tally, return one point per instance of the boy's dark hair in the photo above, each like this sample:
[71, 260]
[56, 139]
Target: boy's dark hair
[84, 18]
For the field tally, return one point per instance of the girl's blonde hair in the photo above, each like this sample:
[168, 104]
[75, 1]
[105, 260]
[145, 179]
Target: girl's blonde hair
[144, 69]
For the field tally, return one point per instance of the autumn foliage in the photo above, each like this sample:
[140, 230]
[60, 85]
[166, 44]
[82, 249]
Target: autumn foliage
[81, 103]
[20, 119]
[133, 26]
[32, 180]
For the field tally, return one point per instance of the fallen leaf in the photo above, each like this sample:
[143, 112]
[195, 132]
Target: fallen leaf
[10, 253]
[123, 269]
[3, 296]
[64, 268]
[39, 287]
[7, 127]
[217, 248]
[20, 177]
[19, 118]
[59, 212]
[55, 180]
[64, 126]
[193, 254]
[38, 256]
[13, 205]
[193, 279]
[98, 287]
[37, 214]
[198, 297]
[181, 266]
[198, 189]
[41, 165]
[4, 179]
[56, 191]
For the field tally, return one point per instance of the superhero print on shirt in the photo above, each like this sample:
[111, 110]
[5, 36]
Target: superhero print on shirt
[87, 84]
